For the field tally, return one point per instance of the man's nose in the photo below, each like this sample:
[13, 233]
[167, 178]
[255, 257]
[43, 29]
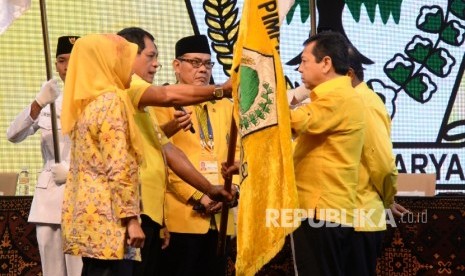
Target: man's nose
[157, 65]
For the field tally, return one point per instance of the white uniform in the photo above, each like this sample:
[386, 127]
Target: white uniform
[48, 196]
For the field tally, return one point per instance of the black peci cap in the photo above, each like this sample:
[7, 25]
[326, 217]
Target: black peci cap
[192, 44]
[65, 44]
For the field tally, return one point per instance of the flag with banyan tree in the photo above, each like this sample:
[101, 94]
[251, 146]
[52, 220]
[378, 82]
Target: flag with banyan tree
[267, 184]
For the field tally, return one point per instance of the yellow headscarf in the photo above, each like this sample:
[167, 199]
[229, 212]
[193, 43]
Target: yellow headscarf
[99, 63]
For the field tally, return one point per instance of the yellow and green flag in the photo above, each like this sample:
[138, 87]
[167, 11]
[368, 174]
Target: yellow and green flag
[267, 184]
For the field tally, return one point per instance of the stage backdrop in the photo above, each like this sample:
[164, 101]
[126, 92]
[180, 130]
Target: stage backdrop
[414, 59]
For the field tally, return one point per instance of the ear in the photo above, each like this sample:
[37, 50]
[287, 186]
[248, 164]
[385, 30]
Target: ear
[351, 73]
[176, 66]
[327, 64]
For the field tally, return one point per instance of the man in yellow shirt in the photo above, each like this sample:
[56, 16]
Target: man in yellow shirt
[377, 177]
[327, 155]
[156, 146]
[188, 212]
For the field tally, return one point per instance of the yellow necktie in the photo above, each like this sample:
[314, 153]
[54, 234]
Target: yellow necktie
[202, 117]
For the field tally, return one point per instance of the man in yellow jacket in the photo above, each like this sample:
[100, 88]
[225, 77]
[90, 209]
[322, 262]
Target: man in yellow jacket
[189, 214]
[326, 157]
[157, 150]
[377, 183]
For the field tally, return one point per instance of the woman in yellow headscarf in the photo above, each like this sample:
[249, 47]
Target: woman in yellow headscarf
[101, 203]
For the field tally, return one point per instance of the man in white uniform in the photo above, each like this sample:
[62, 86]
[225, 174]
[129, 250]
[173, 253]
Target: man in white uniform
[48, 197]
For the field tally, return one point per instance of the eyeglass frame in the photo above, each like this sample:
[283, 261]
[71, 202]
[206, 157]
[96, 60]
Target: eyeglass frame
[197, 63]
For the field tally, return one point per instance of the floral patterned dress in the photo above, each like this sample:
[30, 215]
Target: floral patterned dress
[103, 184]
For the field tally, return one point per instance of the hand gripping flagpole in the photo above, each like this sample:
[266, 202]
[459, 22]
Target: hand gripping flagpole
[53, 117]
[221, 246]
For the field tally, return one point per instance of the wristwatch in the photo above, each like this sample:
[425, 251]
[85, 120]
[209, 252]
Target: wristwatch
[218, 92]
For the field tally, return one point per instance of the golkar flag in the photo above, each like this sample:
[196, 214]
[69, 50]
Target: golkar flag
[10, 10]
[267, 172]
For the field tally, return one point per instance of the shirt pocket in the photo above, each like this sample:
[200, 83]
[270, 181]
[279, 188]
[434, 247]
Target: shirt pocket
[45, 178]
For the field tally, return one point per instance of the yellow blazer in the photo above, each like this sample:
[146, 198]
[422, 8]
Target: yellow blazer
[179, 215]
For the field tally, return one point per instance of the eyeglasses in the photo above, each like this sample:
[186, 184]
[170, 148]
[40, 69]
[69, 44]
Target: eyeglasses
[197, 63]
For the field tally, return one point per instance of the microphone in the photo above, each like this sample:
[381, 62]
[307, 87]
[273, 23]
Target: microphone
[180, 108]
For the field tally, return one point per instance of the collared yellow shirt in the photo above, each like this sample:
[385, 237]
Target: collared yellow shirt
[377, 184]
[179, 215]
[153, 174]
[328, 150]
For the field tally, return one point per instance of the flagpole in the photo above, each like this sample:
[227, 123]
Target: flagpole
[221, 246]
[53, 117]
[312, 17]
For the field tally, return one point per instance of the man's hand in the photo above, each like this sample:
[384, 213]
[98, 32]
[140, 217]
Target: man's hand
[211, 206]
[228, 172]
[218, 193]
[135, 234]
[183, 119]
[165, 237]
[48, 93]
[398, 210]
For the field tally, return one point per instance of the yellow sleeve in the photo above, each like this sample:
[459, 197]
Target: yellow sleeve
[176, 185]
[379, 156]
[153, 115]
[316, 117]
[136, 90]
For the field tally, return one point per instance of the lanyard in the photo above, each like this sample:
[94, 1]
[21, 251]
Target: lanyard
[206, 144]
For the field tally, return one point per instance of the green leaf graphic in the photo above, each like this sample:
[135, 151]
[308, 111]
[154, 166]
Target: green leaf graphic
[260, 114]
[400, 73]
[386, 9]
[354, 7]
[450, 34]
[436, 63]
[415, 88]
[433, 22]
[304, 11]
[457, 8]
[419, 52]
[390, 7]
[244, 123]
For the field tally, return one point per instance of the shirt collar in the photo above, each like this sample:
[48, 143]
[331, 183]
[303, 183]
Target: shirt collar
[329, 86]
[362, 85]
[136, 77]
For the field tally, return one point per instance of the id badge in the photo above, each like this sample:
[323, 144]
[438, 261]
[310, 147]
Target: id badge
[208, 167]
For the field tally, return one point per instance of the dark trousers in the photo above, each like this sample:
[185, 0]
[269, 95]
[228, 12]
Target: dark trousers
[151, 252]
[366, 247]
[96, 267]
[193, 254]
[321, 250]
